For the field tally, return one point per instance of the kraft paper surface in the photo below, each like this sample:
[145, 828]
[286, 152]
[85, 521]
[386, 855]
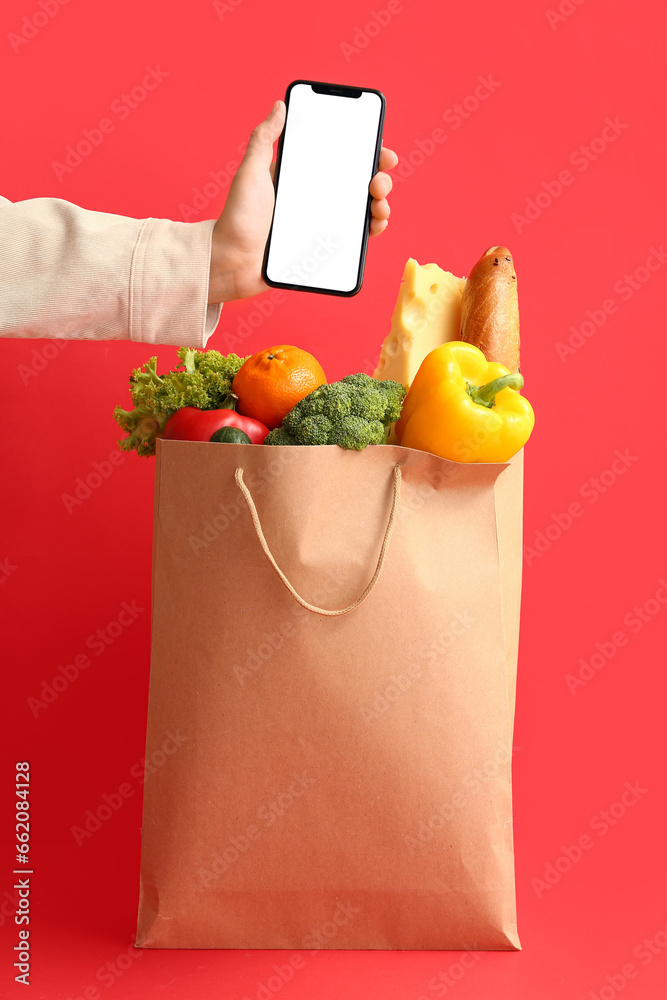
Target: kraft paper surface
[331, 782]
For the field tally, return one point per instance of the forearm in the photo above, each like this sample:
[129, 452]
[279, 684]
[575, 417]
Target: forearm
[69, 273]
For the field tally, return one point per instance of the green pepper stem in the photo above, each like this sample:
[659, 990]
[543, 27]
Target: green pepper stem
[229, 402]
[485, 395]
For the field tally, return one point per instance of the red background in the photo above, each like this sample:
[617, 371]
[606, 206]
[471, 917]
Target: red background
[558, 82]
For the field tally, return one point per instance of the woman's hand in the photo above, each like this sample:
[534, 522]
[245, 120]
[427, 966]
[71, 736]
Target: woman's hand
[241, 232]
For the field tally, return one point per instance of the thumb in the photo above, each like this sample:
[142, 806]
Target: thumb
[263, 136]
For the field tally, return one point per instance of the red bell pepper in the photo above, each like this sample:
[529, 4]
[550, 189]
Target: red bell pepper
[192, 424]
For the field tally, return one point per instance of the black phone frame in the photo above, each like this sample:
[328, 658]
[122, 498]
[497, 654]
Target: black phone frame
[341, 91]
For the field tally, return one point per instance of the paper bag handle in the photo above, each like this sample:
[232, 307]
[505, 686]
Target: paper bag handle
[269, 555]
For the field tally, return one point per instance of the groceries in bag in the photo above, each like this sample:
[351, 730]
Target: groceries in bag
[447, 380]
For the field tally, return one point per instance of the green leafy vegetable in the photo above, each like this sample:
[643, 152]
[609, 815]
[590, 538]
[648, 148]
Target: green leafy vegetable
[352, 413]
[202, 379]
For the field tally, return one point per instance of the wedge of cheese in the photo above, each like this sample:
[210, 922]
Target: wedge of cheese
[427, 314]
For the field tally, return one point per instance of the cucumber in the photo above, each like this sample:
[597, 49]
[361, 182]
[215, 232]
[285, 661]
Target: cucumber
[230, 435]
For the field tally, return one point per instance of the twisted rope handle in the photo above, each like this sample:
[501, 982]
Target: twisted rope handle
[269, 555]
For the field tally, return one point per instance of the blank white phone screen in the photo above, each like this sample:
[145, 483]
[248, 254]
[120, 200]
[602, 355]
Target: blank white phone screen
[326, 166]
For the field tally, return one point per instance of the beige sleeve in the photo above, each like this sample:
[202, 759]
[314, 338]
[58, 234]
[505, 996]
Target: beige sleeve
[66, 273]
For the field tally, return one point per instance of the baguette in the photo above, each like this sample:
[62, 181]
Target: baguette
[490, 308]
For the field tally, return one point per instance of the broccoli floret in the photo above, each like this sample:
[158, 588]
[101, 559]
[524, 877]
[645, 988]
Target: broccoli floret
[279, 436]
[352, 413]
[359, 381]
[202, 379]
[338, 402]
[371, 403]
[353, 433]
[394, 394]
[313, 430]
[385, 398]
[379, 433]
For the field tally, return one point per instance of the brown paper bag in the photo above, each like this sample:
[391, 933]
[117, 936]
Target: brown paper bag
[342, 780]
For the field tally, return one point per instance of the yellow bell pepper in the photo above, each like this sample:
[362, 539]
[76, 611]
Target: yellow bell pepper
[464, 408]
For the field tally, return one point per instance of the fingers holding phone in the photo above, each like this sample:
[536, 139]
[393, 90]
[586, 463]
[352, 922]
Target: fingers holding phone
[331, 186]
[379, 188]
[240, 237]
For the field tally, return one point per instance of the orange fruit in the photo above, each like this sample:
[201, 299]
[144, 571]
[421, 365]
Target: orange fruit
[270, 383]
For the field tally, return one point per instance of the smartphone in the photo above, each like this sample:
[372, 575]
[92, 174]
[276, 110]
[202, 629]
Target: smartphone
[328, 152]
